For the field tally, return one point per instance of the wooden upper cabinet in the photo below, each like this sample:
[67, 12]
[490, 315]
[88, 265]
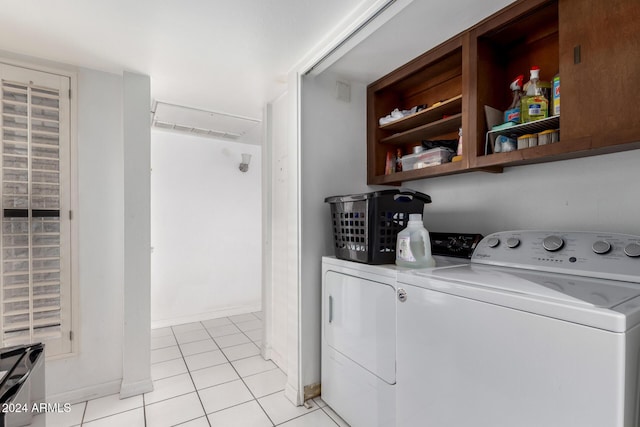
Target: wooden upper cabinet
[593, 45]
[600, 70]
[434, 80]
[505, 46]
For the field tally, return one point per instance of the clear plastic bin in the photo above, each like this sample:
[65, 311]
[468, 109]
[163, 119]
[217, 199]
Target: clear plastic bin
[435, 156]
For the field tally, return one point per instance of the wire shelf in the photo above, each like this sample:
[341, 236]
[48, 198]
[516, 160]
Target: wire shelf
[537, 126]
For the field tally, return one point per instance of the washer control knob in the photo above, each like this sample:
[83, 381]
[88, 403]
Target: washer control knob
[632, 250]
[552, 243]
[601, 247]
[402, 295]
[493, 242]
[513, 242]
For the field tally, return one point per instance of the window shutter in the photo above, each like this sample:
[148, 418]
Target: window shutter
[36, 280]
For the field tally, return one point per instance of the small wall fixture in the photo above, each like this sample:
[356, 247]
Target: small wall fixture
[244, 165]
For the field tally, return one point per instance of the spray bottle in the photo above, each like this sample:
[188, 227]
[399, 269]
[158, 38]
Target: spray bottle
[513, 112]
[534, 106]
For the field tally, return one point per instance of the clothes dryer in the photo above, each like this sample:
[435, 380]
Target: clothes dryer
[359, 332]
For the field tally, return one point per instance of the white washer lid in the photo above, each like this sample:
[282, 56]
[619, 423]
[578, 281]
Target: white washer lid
[566, 288]
[606, 304]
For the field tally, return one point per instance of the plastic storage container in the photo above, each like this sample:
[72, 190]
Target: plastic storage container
[414, 245]
[435, 156]
[365, 226]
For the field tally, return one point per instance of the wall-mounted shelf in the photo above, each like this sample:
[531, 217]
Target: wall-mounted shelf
[426, 131]
[433, 79]
[474, 68]
[434, 113]
[522, 129]
[449, 168]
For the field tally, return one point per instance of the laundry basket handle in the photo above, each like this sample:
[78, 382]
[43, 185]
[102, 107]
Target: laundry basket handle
[411, 194]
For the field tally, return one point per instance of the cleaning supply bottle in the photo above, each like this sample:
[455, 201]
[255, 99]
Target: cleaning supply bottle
[513, 112]
[413, 248]
[535, 105]
[555, 111]
[458, 155]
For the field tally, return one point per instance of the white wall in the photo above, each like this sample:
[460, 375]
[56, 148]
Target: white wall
[205, 229]
[333, 163]
[136, 358]
[333, 150]
[97, 368]
[276, 298]
[593, 194]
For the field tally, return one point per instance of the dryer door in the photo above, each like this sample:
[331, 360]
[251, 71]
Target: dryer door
[360, 321]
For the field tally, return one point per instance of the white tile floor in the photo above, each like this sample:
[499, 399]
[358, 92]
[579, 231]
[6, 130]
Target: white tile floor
[205, 374]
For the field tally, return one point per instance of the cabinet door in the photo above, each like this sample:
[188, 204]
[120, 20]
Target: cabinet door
[599, 70]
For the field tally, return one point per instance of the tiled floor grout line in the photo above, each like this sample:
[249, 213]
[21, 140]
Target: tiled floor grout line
[257, 401]
[191, 377]
[299, 416]
[182, 357]
[114, 414]
[328, 415]
[84, 412]
[207, 367]
[167, 346]
[240, 376]
[159, 401]
[144, 409]
[242, 403]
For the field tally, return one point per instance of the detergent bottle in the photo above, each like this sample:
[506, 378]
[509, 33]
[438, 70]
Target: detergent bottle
[413, 247]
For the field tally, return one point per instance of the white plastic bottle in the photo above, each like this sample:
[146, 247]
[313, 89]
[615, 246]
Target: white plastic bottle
[413, 247]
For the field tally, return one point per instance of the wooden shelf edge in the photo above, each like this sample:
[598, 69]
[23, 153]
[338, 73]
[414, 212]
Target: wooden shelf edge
[412, 175]
[430, 172]
[560, 150]
[425, 116]
[424, 131]
[488, 169]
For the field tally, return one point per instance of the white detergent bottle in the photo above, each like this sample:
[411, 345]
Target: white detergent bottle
[413, 247]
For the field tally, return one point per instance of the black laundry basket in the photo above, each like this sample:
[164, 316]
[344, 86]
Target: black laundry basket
[366, 226]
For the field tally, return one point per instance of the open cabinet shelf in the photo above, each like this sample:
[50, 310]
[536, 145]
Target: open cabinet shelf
[509, 47]
[433, 79]
[449, 168]
[426, 131]
[432, 114]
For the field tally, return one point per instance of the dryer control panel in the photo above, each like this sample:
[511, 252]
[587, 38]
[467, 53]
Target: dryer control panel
[454, 244]
[602, 255]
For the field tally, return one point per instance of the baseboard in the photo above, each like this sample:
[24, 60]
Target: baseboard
[199, 317]
[292, 394]
[86, 393]
[270, 354]
[134, 389]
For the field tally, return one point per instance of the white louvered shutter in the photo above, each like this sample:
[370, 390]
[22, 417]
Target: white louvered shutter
[35, 302]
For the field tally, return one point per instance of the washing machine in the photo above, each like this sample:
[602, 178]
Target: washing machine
[540, 329]
[359, 332]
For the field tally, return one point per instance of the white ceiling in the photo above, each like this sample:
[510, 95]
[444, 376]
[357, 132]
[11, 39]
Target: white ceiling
[229, 56]
[420, 26]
